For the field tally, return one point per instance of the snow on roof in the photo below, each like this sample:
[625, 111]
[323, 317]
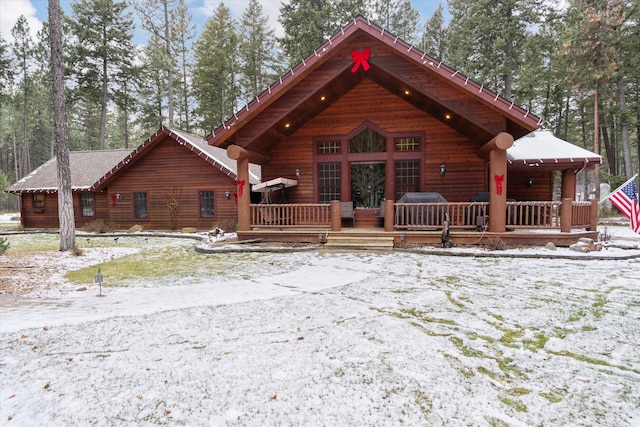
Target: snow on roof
[542, 146]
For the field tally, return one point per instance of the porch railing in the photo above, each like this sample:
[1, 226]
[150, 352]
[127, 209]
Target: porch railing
[291, 215]
[431, 216]
[581, 214]
[533, 214]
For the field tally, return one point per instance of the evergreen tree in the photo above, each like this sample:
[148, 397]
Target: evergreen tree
[151, 87]
[257, 51]
[155, 16]
[434, 38]
[487, 38]
[398, 17]
[214, 78]
[183, 34]
[103, 32]
[307, 24]
[23, 54]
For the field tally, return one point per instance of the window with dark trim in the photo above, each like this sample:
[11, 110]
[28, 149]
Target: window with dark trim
[38, 201]
[407, 177]
[329, 147]
[410, 143]
[86, 204]
[206, 204]
[140, 208]
[367, 141]
[328, 182]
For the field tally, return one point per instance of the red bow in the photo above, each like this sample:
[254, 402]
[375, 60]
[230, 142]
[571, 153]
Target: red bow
[499, 179]
[360, 58]
[240, 183]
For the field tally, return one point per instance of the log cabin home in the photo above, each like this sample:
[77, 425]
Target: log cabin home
[369, 134]
[171, 181]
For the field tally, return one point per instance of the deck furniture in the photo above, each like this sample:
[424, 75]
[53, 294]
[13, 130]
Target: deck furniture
[347, 211]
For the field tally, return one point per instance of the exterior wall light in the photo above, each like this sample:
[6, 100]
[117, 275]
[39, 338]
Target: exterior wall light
[227, 194]
[443, 169]
[297, 173]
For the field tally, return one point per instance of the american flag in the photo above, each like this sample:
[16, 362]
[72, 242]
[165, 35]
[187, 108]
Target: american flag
[626, 199]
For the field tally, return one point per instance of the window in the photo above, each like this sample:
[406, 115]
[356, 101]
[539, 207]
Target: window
[367, 141]
[86, 204]
[328, 147]
[38, 201]
[328, 182]
[140, 205]
[407, 143]
[206, 204]
[407, 177]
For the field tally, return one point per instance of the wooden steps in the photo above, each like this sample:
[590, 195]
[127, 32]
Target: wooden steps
[359, 242]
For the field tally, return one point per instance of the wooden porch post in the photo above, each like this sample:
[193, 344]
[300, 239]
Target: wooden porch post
[496, 149]
[242, 158]
[568, 184]
[336, 220]
[565, 215]
[594, 214]
[244, 195]
[389, 215]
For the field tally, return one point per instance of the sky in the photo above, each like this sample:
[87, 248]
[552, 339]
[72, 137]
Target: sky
[36, 12]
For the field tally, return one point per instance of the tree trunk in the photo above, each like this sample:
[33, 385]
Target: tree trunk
[61, 135]
[596, 142]
[103, 112]
[169, 57]
[624, 128]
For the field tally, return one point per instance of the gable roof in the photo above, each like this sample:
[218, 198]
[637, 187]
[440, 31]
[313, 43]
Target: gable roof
[541, 148]
[395, 65]
[213, 155]
[86, 168]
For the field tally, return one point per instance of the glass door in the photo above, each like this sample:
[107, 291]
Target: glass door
[368, 182]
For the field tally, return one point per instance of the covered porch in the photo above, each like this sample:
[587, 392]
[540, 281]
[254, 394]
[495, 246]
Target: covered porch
[526, 223]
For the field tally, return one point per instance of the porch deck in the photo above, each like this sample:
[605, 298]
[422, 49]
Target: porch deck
[528, 237]
[527, 223]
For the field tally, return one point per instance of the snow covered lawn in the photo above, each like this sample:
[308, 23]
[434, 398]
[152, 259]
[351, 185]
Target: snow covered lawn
[336, 339]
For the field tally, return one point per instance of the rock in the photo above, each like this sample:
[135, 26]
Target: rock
[550, 246]
[584, 244]
[81, 289]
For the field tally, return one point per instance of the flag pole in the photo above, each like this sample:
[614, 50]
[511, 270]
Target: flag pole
[618, 189]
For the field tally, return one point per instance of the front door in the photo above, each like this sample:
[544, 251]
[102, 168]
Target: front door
[368, 181]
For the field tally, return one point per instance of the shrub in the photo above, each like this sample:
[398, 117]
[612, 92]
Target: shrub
[97, 226]
[4, 245]
[496, 244]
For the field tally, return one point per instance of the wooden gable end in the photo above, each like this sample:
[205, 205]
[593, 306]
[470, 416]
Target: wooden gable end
[326, 76]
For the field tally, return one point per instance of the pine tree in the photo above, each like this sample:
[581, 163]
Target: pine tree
[307, 24]
[103, 32]
[23, 52]
[398, 17]
[434, 38]
[257, 51]
[183, 34]
[214, 77]
[152, 86]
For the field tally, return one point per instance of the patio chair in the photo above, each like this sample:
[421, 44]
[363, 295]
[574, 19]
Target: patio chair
[347, 212]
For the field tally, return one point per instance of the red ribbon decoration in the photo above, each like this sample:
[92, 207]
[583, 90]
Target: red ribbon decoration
[499, 179]
[360, 58]
[240, 183]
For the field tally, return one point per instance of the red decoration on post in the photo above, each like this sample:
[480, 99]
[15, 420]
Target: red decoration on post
[360, 58]
[240, 183]
[113, 200]
[499, 179]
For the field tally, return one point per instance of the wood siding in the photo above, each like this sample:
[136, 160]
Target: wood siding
[465, 173]
[170, 169]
